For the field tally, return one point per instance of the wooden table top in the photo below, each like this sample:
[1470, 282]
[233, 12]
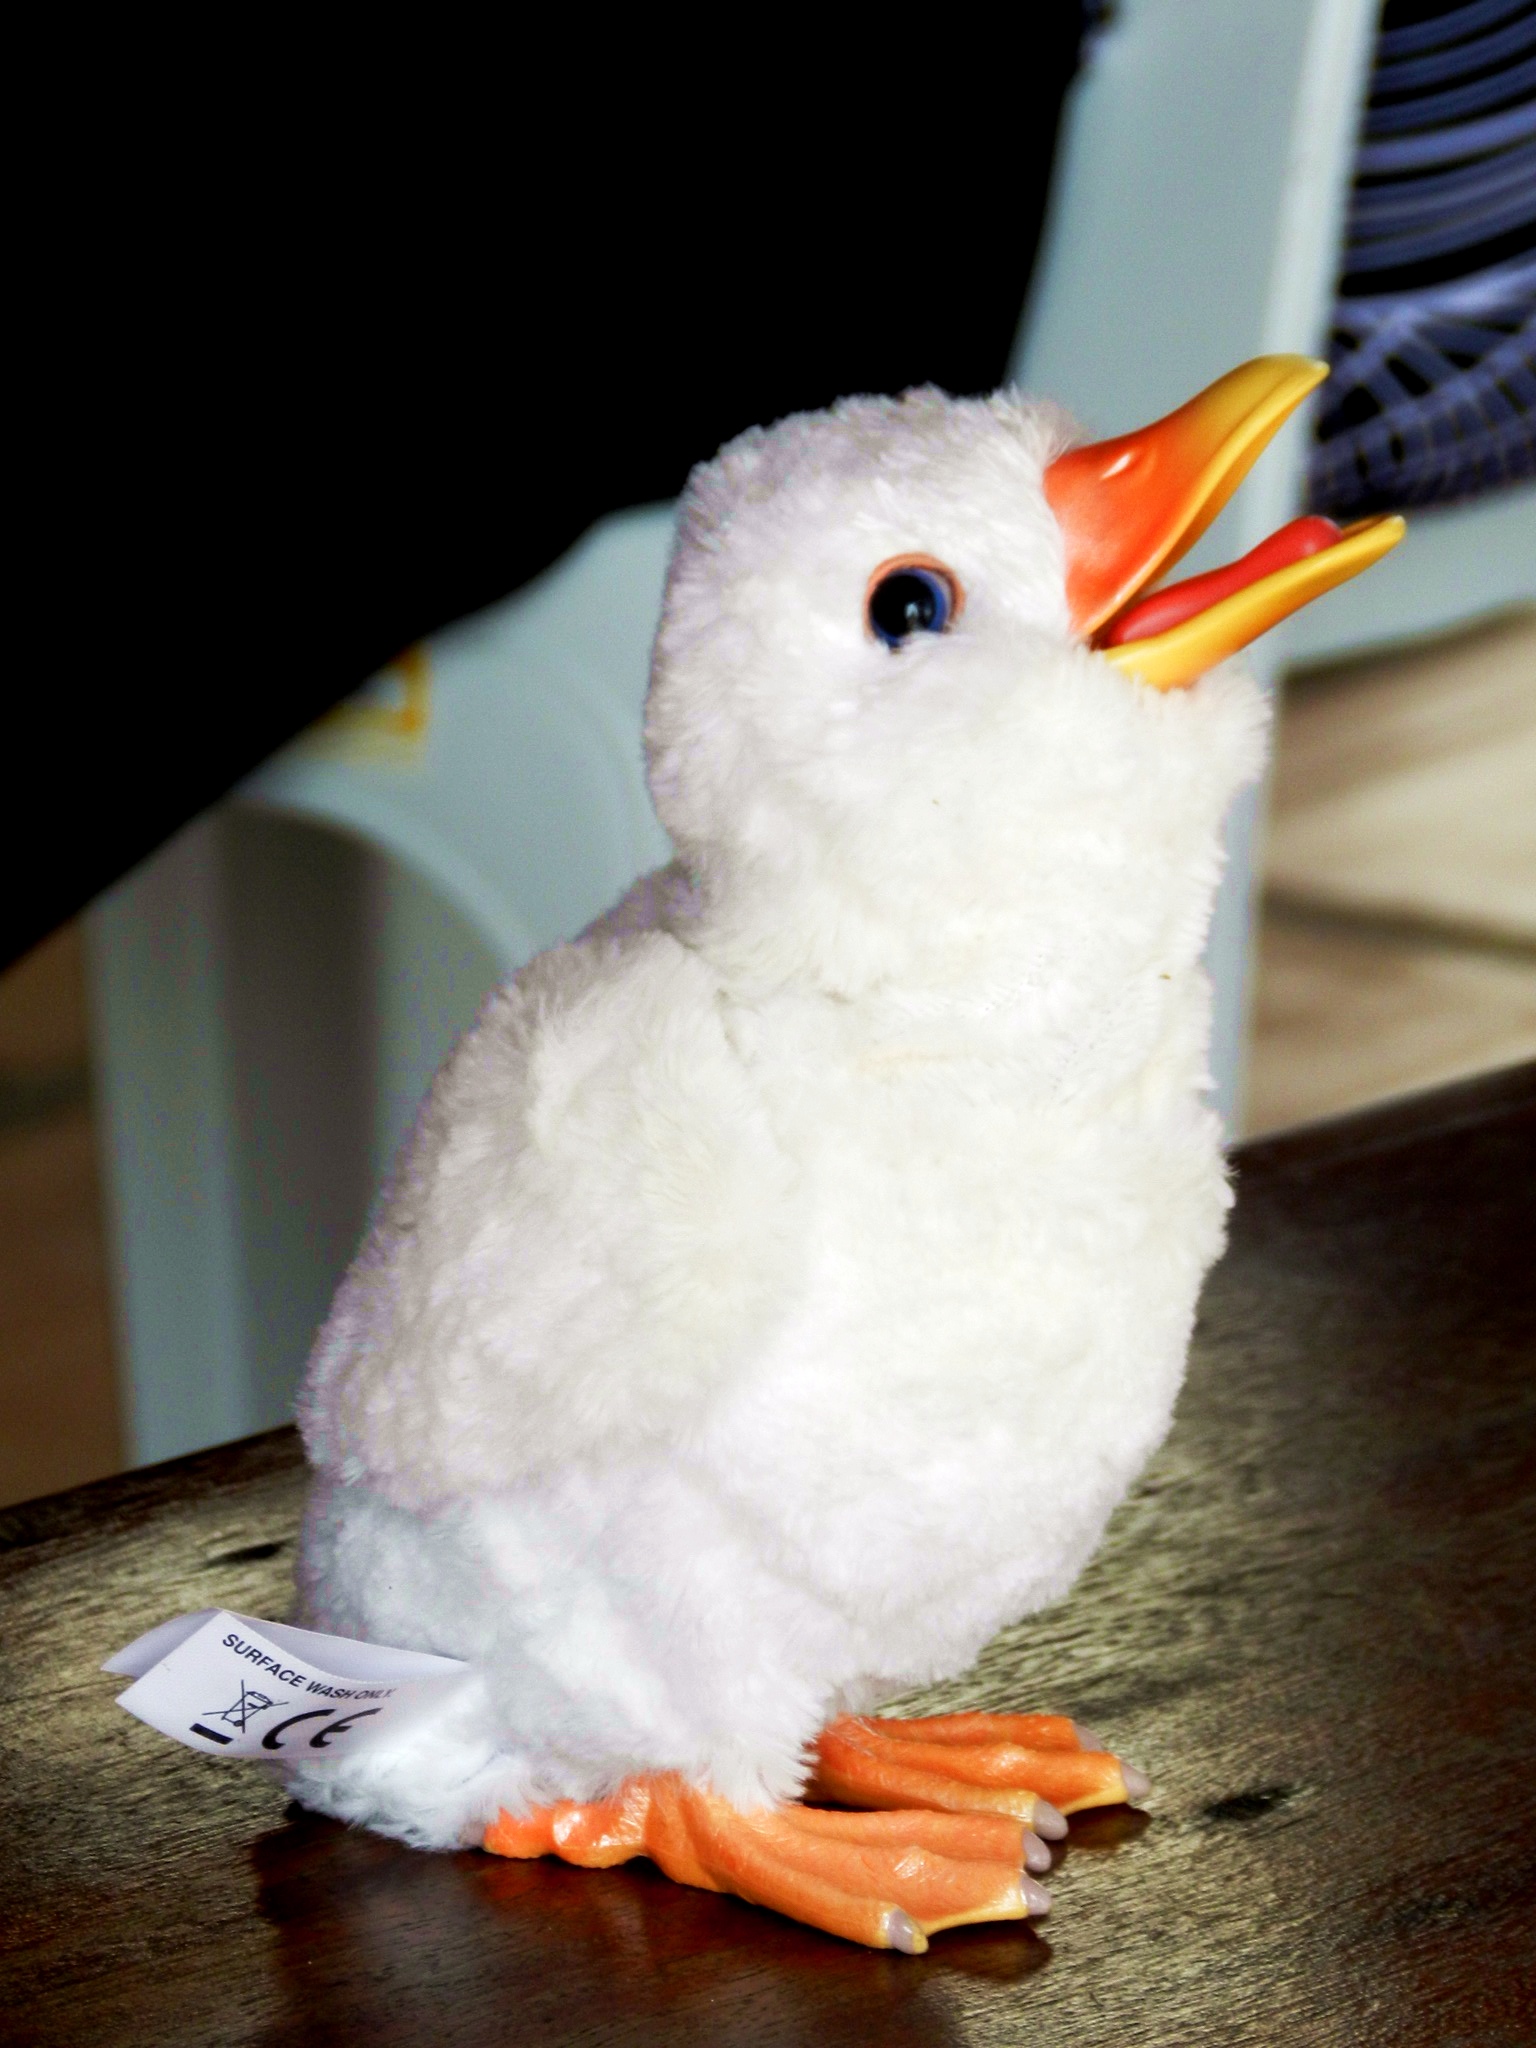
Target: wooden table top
[1313, 1623]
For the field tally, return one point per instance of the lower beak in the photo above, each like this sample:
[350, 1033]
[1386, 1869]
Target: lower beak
[1131, 507]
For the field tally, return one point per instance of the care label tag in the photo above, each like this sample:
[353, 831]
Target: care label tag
[230, 1685]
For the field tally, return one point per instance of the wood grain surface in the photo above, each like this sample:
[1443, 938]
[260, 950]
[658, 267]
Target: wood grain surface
[1313, 1623]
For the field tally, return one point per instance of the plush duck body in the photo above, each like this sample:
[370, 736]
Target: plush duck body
[786, 1279]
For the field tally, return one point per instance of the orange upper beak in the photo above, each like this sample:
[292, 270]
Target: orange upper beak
[1130, 507]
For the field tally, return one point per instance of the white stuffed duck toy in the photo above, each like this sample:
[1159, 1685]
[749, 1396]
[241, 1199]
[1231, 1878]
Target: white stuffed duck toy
[787, 1278]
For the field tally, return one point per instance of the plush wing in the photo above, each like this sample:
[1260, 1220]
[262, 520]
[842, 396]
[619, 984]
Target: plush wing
[583, 1234]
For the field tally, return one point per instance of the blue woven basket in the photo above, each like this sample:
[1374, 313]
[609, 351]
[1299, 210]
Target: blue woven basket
[1433, 393]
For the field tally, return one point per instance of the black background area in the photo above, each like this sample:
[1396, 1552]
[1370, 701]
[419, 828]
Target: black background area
[320, 364]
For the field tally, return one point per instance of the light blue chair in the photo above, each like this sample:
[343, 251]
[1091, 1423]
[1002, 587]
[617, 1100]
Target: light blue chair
[274, 990]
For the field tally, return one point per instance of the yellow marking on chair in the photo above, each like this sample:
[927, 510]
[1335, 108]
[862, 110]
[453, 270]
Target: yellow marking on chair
[385, 721]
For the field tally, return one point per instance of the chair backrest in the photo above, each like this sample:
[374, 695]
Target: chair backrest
[1194, 222]
[1196, 215]
[520, 793]
[1200, 214]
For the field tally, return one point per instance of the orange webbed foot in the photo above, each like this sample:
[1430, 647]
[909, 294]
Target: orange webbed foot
[886, 1879]
[1036, 1767]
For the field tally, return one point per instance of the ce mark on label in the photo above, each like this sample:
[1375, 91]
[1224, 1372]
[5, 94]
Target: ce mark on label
[320, 1738]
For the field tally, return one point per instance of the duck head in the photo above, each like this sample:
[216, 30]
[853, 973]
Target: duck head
[918, 711]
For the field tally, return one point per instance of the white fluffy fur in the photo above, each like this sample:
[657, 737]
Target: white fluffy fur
[786, 1279]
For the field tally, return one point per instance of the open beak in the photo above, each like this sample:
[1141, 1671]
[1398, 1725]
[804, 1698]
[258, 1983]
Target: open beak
[1130, 507]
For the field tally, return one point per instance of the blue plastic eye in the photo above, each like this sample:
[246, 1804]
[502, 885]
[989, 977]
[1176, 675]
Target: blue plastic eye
[911, 599]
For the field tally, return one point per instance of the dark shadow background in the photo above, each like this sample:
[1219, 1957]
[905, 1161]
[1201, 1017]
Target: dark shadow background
[322, 357]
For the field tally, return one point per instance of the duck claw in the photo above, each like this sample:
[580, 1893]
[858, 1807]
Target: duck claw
[1034, 1766]
[886, 1879]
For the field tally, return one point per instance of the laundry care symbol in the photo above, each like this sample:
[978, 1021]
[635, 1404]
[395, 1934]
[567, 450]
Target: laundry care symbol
[238, 1715]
